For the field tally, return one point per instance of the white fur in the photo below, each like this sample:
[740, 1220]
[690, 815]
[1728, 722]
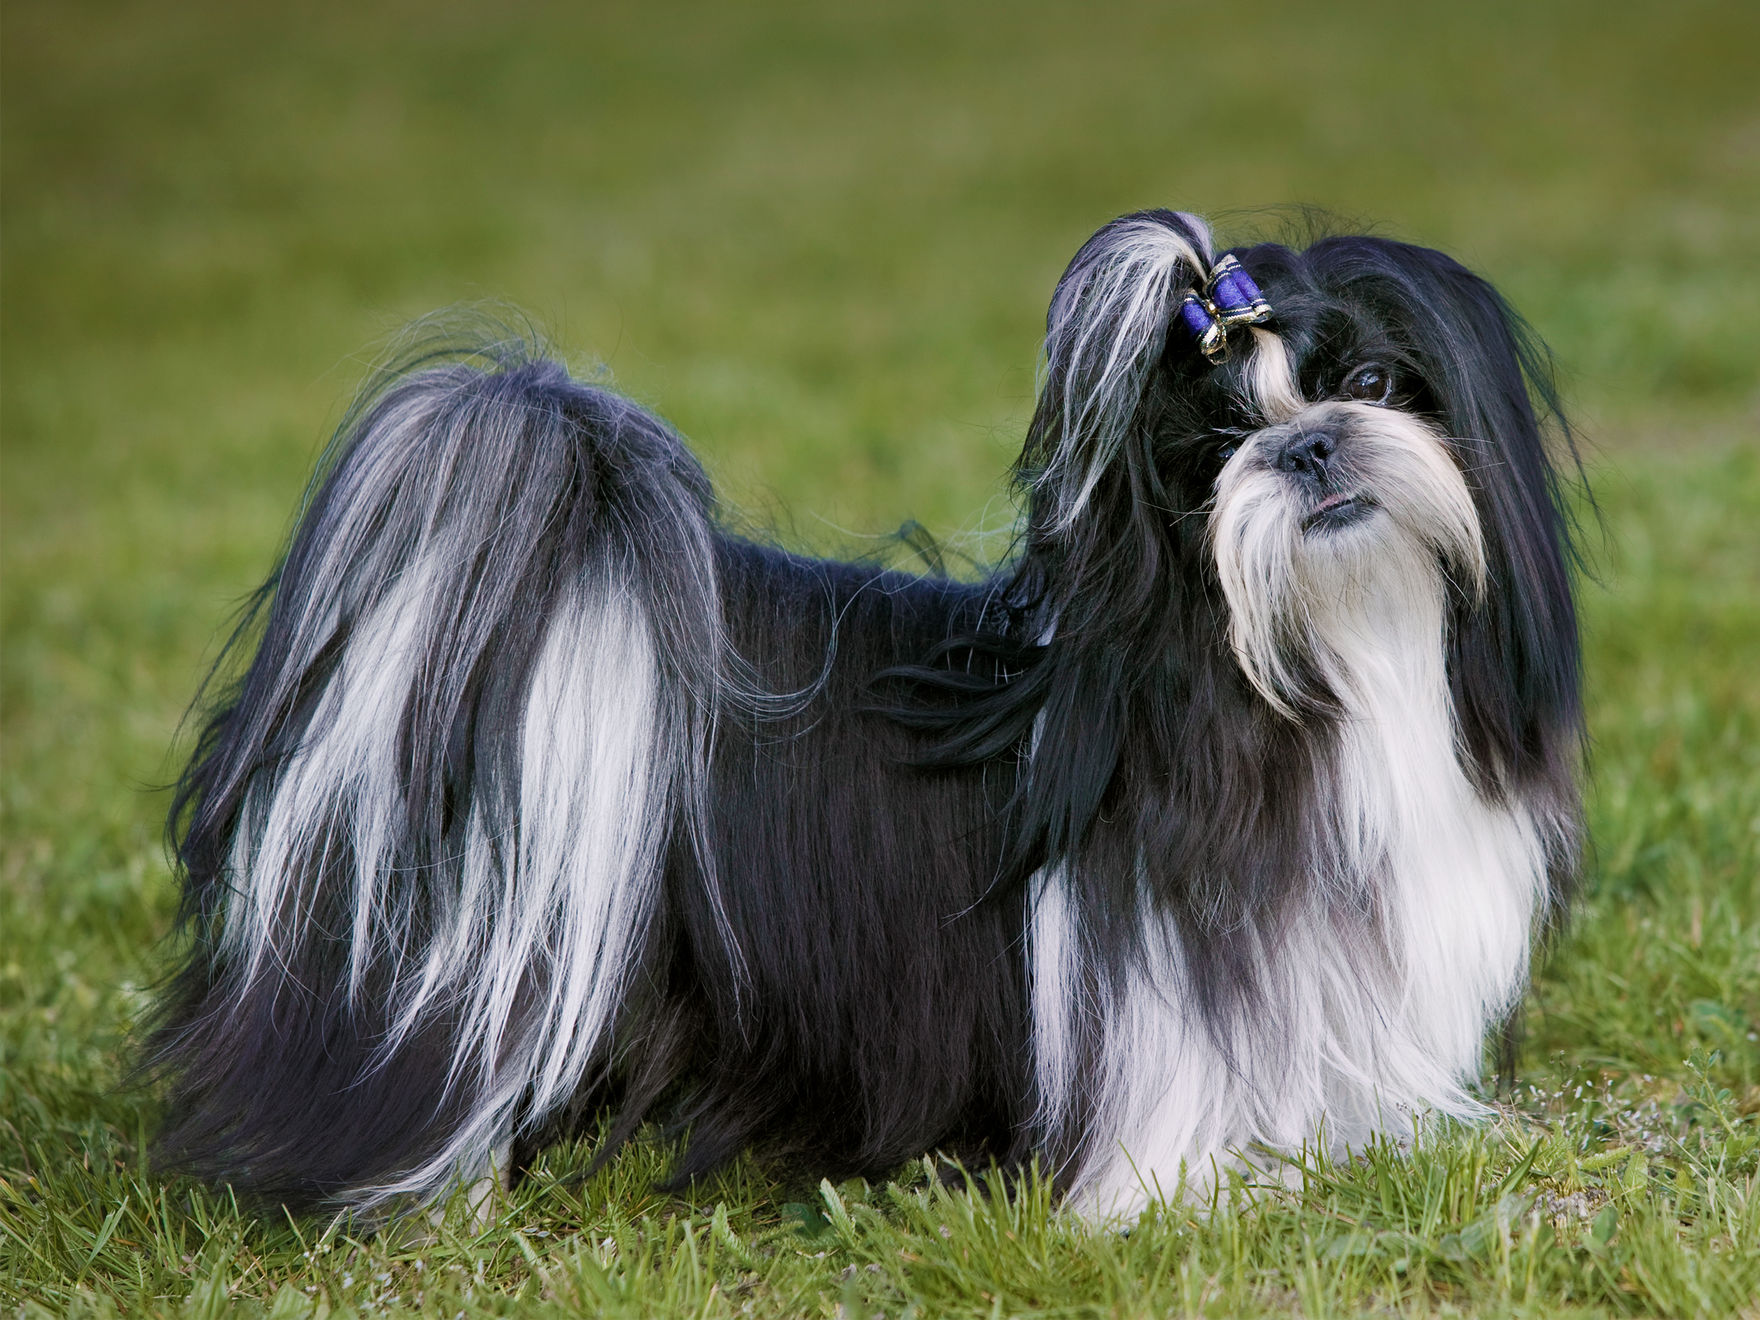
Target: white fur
[1109, 327]
[1271, 382]
[1414, 932]
[556, 903]
[1280, 583]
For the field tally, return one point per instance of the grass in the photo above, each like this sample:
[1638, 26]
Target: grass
[821, 242]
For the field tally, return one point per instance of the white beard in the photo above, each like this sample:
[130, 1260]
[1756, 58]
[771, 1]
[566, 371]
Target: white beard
[1413, 933]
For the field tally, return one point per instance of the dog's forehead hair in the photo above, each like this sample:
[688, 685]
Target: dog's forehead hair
[1321, 330]
[1319, 324]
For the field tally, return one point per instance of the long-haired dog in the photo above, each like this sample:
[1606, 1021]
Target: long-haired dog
[1221, 818]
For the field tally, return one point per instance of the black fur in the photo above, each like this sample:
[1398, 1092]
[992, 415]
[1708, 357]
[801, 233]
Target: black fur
[864, 769]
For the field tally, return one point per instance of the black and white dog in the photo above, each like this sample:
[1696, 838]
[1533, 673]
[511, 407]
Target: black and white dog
[1221, 819]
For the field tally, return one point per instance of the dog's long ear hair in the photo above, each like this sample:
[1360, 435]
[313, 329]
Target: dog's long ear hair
[1093, 591]
[1514, 662]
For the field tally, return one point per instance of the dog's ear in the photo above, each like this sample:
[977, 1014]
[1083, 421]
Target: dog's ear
[1514, 662]
[1105, 332]
[1516, 667]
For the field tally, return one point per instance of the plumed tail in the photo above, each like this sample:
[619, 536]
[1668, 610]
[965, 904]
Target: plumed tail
[422, 839]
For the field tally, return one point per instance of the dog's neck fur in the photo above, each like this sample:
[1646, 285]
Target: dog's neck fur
[1375, 988]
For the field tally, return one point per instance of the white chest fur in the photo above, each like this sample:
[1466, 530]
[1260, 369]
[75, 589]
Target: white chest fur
[1374, 994]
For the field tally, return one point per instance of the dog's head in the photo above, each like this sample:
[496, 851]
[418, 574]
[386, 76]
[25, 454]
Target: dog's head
[1308, 438]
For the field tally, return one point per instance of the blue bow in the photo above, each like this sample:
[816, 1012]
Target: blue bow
[1229, 298]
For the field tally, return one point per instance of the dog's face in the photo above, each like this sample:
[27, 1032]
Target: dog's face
[1332, 486]
[1369, 439]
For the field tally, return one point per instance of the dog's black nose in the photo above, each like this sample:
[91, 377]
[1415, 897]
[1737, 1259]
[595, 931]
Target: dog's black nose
[1305, 454]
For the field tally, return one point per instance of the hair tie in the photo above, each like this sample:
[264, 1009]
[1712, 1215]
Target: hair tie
[1229, 298]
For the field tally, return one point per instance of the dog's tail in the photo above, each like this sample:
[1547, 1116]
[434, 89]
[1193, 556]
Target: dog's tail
[423, 836]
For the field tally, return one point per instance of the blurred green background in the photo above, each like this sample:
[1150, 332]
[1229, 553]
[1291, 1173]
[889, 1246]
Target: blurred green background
[820, 239]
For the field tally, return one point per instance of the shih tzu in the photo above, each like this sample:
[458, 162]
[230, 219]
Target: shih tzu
[1221, 818]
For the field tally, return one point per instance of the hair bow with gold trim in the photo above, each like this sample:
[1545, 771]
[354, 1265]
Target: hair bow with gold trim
[1229, 298]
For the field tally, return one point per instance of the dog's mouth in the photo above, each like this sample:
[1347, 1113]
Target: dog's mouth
[1337, 511]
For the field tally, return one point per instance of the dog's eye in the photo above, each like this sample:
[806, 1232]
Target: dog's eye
[1371, 383]
[1227, 452]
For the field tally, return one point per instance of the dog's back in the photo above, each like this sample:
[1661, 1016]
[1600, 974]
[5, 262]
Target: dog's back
[461, 861]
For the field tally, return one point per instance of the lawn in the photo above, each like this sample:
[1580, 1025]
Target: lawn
[820, 240]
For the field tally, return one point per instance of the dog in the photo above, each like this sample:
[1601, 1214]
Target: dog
[1218, 823]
